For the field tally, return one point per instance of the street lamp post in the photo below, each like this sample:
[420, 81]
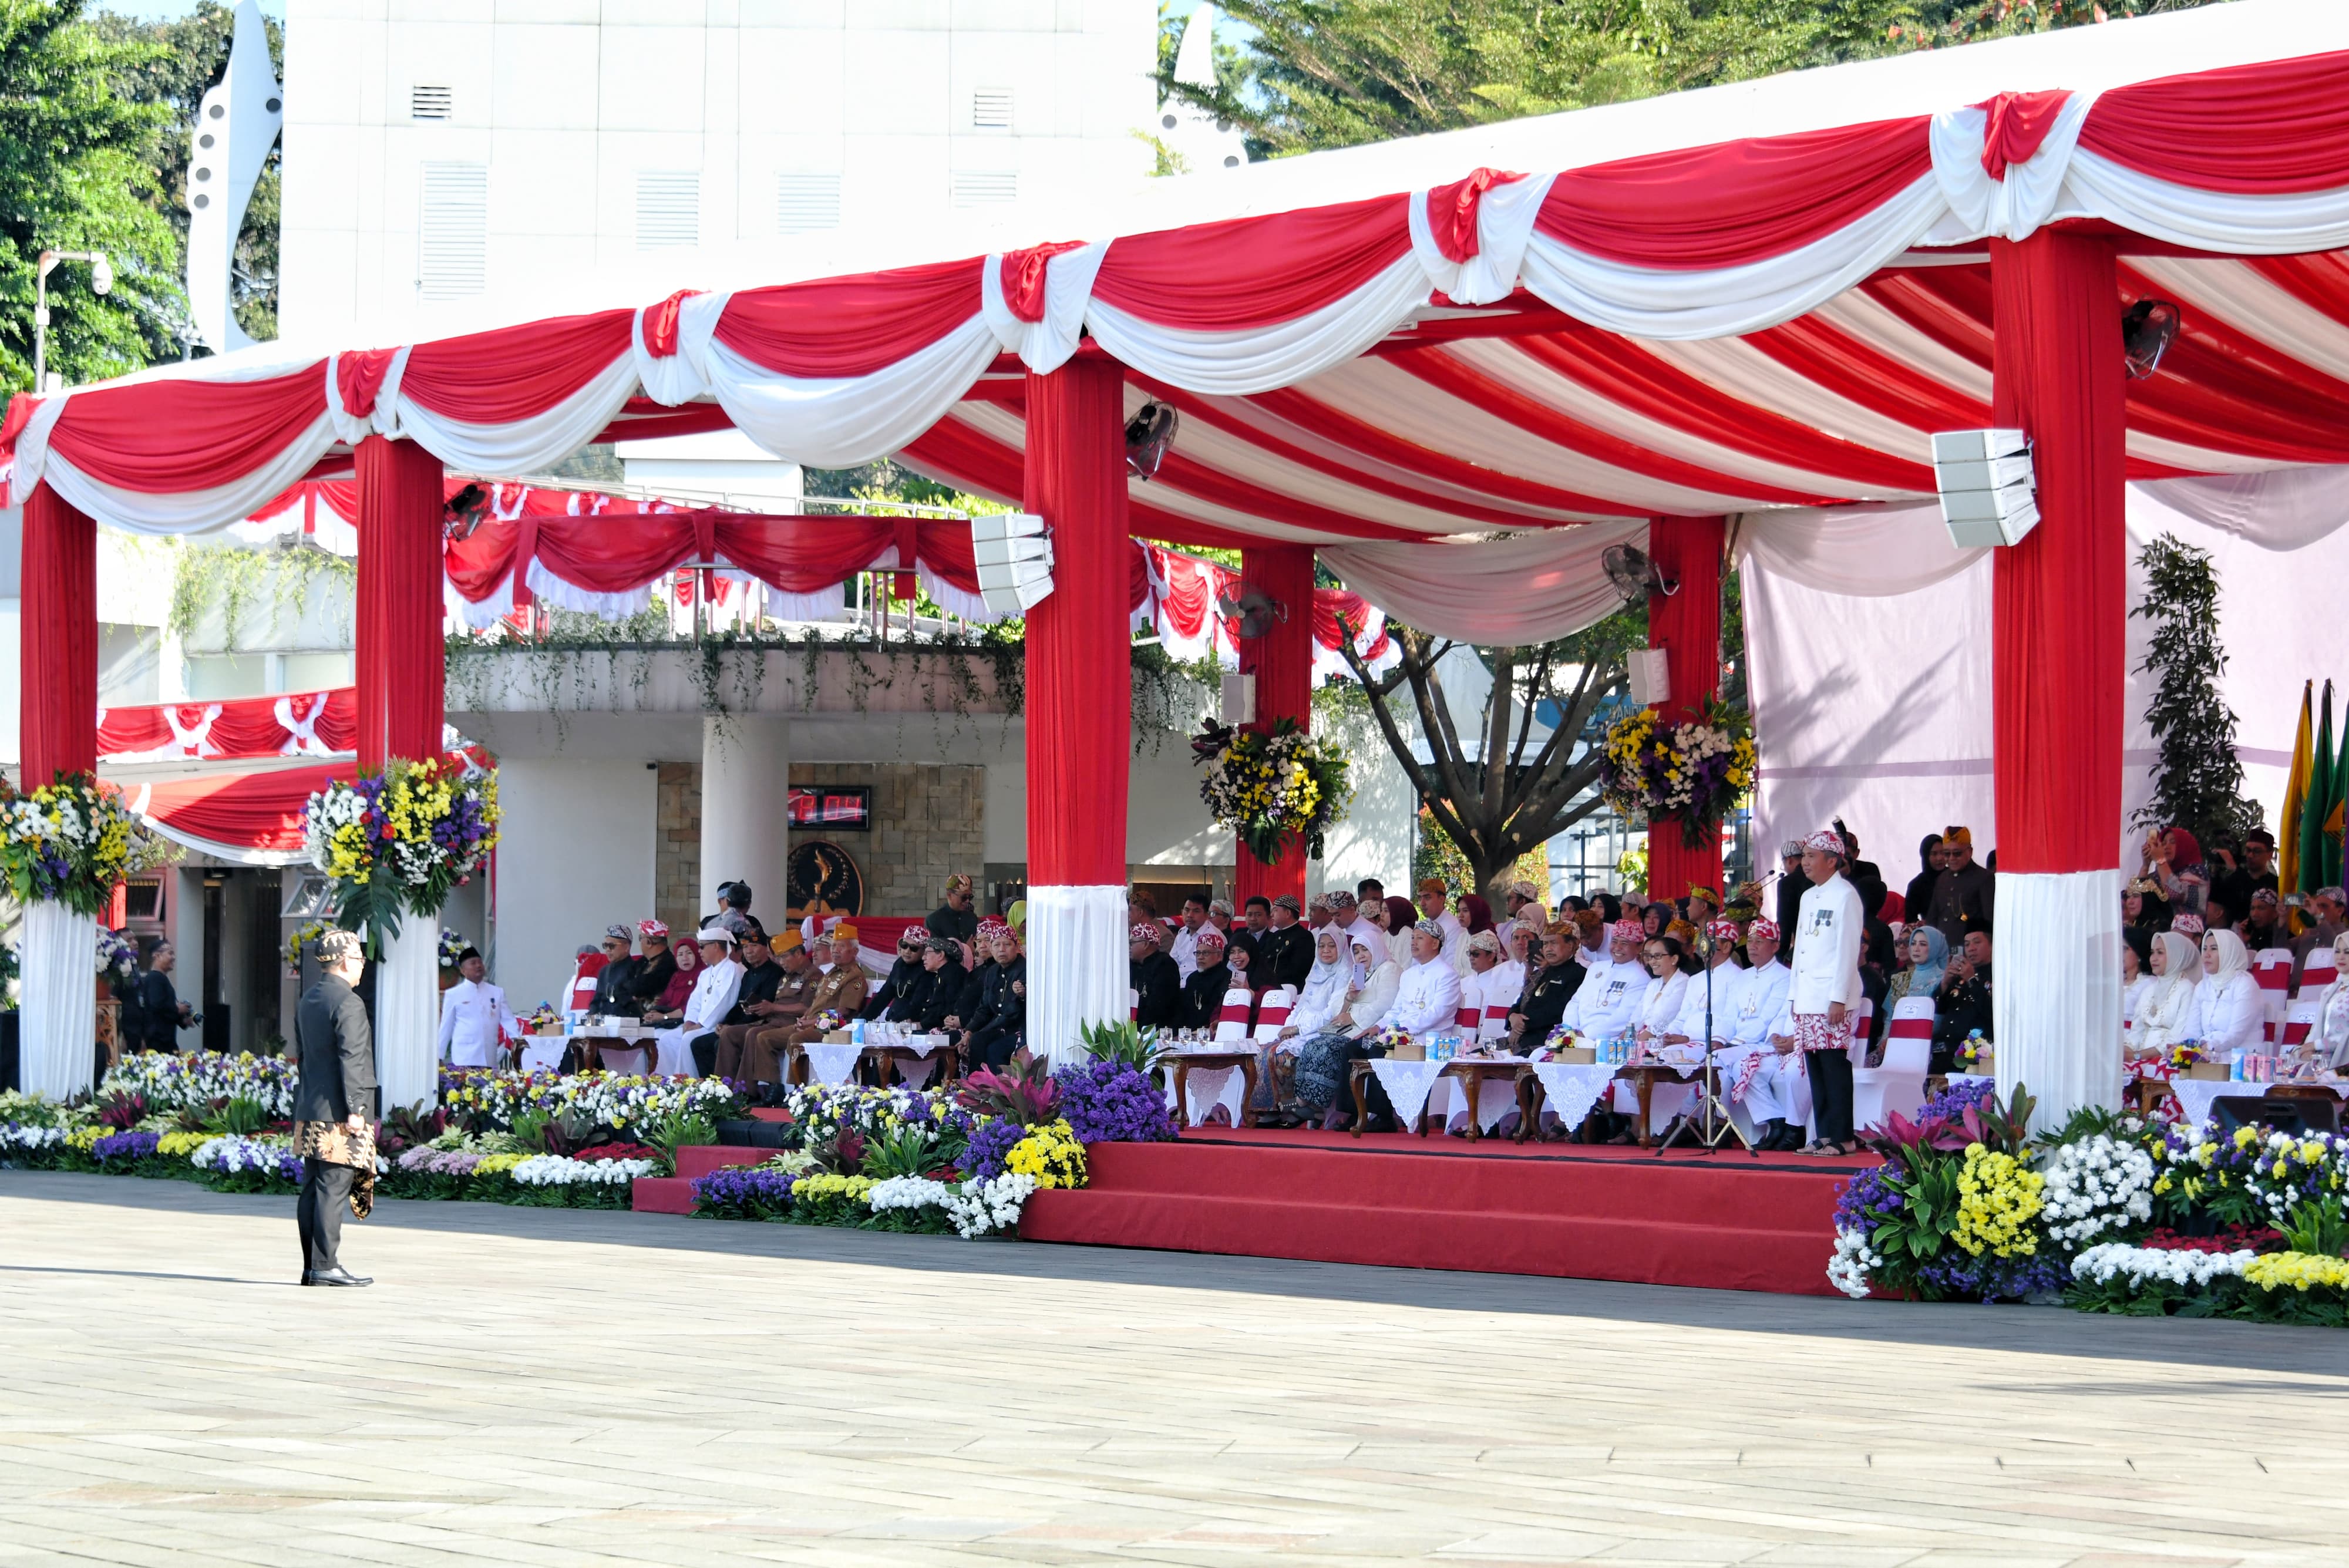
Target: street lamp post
[101, 280]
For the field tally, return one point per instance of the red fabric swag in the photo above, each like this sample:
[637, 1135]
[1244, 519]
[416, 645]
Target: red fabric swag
[514, 373]
[1022, 273]
[1451, 212]
[59, 694]
[252, 810]
[1740, 201]
[163, 437]
[1254, 272]
[2269, 129]
[2017, 126]
[400, 662]
[854, 326]
[660, 324]
[359, 376]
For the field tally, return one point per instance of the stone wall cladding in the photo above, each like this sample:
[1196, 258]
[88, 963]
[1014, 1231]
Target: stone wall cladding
[678, 897]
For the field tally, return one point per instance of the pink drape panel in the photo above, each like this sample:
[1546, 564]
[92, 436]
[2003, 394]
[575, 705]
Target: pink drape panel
[1687, 624]
[1282, 663]
[399, 648]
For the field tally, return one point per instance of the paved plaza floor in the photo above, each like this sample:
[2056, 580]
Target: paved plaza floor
[541, 1386]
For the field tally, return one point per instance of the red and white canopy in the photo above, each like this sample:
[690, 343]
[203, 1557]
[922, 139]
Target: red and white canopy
[1658, 318]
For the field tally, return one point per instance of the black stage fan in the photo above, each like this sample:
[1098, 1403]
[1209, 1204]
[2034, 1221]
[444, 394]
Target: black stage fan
[1633, 574]
[462, 513]
[1253, 613]
[1148, 434]
[2148, 329]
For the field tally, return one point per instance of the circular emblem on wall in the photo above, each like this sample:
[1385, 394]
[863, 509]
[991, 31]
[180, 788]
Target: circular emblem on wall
[824, 880]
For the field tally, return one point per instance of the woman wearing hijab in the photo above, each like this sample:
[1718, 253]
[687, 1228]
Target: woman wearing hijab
[2328, 1042]
[1927, 952]
[1324, 1061]
[2165, 1013]
[2229, 1013]
[667, 1009]
[1918, 897]
[1402, 915]
[1319, 1000]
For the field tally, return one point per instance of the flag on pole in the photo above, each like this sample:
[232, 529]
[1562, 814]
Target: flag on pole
[2316, 804]
[2295, 795]
[2336, 803]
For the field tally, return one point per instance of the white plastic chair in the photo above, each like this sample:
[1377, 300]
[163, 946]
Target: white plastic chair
[1899, 1083]
[2273, 969]
[1232, 1022]
[1272, 1009]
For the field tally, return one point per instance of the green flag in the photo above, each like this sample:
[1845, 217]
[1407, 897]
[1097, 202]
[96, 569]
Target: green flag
[2333, 806]
[2314, 870]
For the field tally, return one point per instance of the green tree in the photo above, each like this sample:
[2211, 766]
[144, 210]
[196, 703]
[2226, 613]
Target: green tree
[1310, 74]
[2198, 782]
[75, 174]
[176, 62]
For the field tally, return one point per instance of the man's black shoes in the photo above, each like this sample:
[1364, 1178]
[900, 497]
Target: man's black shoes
[334, 1276]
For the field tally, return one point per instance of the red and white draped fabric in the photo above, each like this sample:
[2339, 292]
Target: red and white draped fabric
[1706, 329]
[249, 818]
[301, 723]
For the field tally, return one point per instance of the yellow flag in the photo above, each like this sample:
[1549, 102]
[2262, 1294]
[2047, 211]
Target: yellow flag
[2296, 792]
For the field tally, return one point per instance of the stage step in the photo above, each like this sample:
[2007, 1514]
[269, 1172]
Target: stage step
[700, 1159]
[1711, 1225]
[661, 1195]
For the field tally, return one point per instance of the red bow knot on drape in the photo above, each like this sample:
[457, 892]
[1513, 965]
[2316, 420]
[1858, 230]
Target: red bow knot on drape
[1451, 212]
[1023, 274]
[662, 323]
[359, 376]
[2015, 126]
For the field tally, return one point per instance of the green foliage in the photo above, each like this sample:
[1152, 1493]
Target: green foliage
[75, 174]
[672, 1131]
[1433, 853]
[1119, 1041]
[236, 580]
[1306, 74]
[903, 1150]
[2197, 783]
[241, 1116]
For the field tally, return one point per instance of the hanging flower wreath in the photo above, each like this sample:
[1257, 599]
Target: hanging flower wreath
[401, 839]
[1694, 772]
[1267, 787]
[68, 842]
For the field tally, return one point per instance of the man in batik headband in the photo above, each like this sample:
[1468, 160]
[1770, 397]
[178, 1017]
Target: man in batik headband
[1755, 1072]
[1826, 989]
[1203, 992]
[955, 920]
[1428, 1000]
[1157, 983]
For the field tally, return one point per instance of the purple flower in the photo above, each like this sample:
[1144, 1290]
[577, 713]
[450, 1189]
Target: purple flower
[124, 1145]
[988, 1147]
[1952, 1103]
[1110, 1102]
[1865, 1201]
[739, 1194]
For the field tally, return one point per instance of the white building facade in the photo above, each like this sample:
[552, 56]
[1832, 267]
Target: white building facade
[436, 150]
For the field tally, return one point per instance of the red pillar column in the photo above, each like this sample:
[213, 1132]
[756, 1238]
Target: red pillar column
[1282, 663]
[400, 662]
[58, 700]
[2059, 609]
[399, 655]
[1686, 625]
[57, 733]
[1080, 705]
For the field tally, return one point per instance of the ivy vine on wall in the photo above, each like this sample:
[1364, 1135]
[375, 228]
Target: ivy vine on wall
[235, 581]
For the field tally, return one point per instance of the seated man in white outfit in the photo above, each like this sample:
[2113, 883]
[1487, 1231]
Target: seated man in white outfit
[714, 990]
[475, 1022]
[1606, 1005]
[1754, 1074]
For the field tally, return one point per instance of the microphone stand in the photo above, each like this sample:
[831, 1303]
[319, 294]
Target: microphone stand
[1717, 1127]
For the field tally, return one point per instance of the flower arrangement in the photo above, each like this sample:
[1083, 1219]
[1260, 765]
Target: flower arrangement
[171, 1083]
[991, 1207]
[1695, 770]
[2096, 1186]
[1269, 787]
[452, 947]
[1112, 1102]
[299, 942]
[117, 954]
[829, 1019]
[1051, 1154]
[1998, 1198]
[69, 842]
[398, 840]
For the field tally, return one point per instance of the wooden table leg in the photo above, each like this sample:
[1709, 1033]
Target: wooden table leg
[1647, 1093]
[1528, 1112]
[1248, 1090]
[1357, 1077]
[1472, 1083]
[1182, 1070]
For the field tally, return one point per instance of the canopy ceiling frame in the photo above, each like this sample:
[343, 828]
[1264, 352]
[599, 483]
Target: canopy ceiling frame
[1739, 299]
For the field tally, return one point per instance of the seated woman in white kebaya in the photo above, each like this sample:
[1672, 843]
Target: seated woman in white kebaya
[1324, 1061]
[2165, 1013]
[2230, 1010]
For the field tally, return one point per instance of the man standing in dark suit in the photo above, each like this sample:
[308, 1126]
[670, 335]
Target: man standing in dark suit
[333, 1107]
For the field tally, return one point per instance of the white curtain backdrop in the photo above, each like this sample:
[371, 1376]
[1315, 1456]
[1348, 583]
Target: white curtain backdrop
[2057, 1002]
[1868, 655]
[1077, 966]
[1532, 588]
[59, 1042]
[407, 1015]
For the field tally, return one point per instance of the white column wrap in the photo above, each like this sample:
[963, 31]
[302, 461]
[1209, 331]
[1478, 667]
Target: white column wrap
[746, 765]
[1077, 966]
[59, 1039]
[407, 1015]
[2057, 990]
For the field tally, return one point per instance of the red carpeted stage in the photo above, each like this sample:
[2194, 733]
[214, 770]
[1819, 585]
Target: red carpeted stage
[1727, 1220]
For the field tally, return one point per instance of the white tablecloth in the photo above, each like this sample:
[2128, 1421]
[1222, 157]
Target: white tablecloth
[916, 1074]
[831, 1063]
[542, 1053]
[1447, 1102]
[1571, 1088]
[2195, 1095]
[1406, 1083]
[1205, 1091]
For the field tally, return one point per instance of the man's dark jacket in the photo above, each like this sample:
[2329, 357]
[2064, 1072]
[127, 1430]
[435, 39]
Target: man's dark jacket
[336, 1058]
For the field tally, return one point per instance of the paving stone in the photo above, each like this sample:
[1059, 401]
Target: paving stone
[532, 1387]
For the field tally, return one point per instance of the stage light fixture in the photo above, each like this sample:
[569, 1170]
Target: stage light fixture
[1013, 551]
[1990, 492]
